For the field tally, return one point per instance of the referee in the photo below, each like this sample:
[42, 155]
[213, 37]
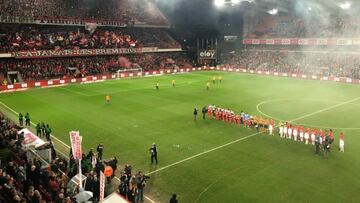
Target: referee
[153, 153]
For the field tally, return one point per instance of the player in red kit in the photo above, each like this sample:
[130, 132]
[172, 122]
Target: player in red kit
[218, 114]
[237, 118]
[322, 135]
[210, 111]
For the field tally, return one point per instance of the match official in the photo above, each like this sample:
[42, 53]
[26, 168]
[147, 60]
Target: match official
[27, 119]
[157, 86]
[153, 153]
[195, 113]
[204, 111]
[21, 119]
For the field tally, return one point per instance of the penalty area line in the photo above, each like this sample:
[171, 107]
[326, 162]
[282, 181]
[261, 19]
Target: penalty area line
[250, 136]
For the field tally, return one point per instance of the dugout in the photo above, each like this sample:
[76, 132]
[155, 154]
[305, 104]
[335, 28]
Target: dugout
[35, 147]
[115, 198]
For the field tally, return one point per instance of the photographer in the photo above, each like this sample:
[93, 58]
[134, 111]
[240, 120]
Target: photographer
[140, 183]
[123, 187]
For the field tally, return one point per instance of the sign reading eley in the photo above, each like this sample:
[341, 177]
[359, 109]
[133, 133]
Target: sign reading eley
[207, 54]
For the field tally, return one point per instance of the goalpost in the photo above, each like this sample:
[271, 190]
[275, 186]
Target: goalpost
[134, 72]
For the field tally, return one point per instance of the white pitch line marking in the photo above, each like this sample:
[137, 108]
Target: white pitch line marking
[16, 113]
[33, 124]
[313, 126]
[249, 136]
[328, 108]
[75, 92]
[183, 84]
[222, 146]
[146, 197]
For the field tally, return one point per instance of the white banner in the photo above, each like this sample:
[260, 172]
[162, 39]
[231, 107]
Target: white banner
[30, 139]
[102, 186]
[75, 140]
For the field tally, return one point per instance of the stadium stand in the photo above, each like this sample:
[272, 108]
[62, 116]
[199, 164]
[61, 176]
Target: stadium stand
[27, 180]
[315, 63]
[23, 179]
[35, 69]
[123, 12]
[22, 38]
[291, 26]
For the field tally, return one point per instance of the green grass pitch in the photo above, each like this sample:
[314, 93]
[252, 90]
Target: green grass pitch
[211, 161]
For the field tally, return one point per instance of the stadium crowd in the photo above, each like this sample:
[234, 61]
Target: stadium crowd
[23, 179]
[35, 69]
[24, 38]
[27, 180]
[125, 11]
[316, 63]
[308, 27]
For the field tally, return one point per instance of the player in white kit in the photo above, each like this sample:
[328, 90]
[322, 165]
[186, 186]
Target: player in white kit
[290, 131]
[285, 130]
[307, 135]
[313, 136]
[341, 142]
[301, 134]
[281, 131]
[270, 129]
[295, 133]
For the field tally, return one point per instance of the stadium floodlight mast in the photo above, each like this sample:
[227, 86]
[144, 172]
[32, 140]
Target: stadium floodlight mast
[345, 5]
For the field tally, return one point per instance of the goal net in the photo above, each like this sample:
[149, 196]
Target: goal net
[133, 72]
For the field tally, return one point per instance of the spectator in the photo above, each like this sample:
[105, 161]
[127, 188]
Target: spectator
[173, 199]
[100, 149]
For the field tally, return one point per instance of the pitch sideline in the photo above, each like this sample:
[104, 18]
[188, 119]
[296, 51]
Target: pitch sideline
[67, 146]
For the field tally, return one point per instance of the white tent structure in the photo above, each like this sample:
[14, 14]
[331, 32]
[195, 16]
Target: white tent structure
[114, 198]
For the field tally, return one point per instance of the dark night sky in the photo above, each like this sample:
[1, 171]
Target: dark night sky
[192, 19]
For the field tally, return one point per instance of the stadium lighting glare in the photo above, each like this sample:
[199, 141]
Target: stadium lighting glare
[309, 8]
[345, 6]
[219, 3]
[273, 11]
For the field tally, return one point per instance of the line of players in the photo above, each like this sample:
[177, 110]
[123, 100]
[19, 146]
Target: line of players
[243, 118]
[296, 132]
[309, 136]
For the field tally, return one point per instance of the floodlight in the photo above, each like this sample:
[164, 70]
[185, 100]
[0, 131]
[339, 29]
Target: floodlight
[346, 5]
[219, 2]
[273, 11]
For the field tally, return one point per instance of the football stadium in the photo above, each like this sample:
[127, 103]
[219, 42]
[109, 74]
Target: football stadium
[179, 101]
